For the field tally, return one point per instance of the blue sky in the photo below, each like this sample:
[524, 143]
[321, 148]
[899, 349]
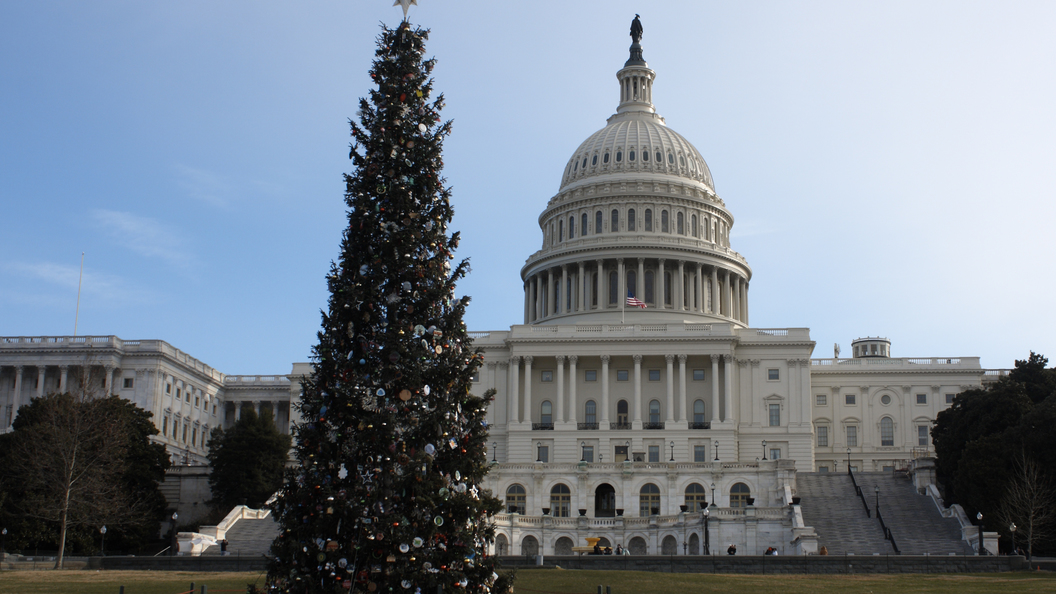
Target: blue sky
[890, 166]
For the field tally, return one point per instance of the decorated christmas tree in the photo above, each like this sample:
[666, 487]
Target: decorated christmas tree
[391, 446]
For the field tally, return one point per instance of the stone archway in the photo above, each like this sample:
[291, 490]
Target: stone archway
[563, 546]
[605, 501]
[502, 546]
[529, 546]
[604, 542]
[669, 546]
[694, 544]
[638, 546]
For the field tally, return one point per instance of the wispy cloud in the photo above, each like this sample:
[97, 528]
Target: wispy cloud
[751, 228]
[45, 283]
[206, 186]
[144, 236]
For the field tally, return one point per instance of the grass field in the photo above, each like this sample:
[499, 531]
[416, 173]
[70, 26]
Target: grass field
[537, 581]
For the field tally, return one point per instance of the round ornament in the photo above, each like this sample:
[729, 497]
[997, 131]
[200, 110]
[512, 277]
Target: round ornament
[438, 520]
[404, 547]
[417, 542]
[405, 395]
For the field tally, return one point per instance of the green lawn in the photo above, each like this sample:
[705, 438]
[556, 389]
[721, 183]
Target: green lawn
[554, 581]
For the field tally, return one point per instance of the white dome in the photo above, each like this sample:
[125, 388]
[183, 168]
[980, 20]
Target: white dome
[631, 143]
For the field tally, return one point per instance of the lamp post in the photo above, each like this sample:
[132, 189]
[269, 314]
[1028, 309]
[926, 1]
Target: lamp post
[764, 449]
[982, 549]
[103, 547]
[494, 452]
[707, 533]
[848, 460]
[713, 493]
[542, 542]
[1012, 529]
[175, 543]
[876, 489]
[538, 451]
[582, 451]
[672, 451]
[716, 450]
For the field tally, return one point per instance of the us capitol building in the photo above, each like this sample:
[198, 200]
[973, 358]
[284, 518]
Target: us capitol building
[624, 422]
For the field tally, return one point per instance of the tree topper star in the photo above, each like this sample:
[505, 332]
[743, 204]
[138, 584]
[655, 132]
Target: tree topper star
[406, 4]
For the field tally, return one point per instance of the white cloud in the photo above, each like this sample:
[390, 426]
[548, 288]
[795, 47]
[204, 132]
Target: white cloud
[206, 186]
[144, 236]
[51, 284]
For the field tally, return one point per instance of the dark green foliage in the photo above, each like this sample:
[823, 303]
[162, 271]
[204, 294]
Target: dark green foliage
[247, 460]
[391, 448]
[989, 435]
[114, 475]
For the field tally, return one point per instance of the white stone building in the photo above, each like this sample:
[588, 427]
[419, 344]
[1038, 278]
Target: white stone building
[623, 422]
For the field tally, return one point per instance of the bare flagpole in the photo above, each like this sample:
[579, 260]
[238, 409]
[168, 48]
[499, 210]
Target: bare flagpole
[77, 315]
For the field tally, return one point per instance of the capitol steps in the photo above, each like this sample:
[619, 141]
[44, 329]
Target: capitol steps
[915, 523]
[829, 504]
[249, 537]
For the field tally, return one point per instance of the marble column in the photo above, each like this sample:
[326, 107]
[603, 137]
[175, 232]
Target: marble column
[636, 418]
[714, 389]
[573, 403]
[683, 414]
[551, 301]
[63, 374]
[604, 392]
[597, 289]
[16, 396]
[716, 306]
[702, 299]
[108, 381]
[681, 302]
[562, 298]
[670, 359]
[514, 379]
[621, 284]
[536, 300]
[728, 295]
[560, 416]
[661, 299]
[727, 397]
[639, 284]
[527, 414]
[40, 380]
[584, 305]
[527, 300]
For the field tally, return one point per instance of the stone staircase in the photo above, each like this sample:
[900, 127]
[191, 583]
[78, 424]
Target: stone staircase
[249, 537]
[829, 504]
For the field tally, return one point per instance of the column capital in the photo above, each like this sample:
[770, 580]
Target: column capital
[619, 261]
[661, 260]
[669, 358]
[682, 358]
[491, 364]
[63, 368]
[528, 359]
[515, 360]
[756, 362]
[573, 359]
[503, 364]
[606, 358]
[742, 362]
[560, 358]
[637, 359]
[19, 368]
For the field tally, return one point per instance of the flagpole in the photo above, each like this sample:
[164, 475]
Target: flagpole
[77, 314]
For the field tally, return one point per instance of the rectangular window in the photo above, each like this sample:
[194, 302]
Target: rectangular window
[949, 398]
[547, 376]
[700, 453]
[698, 375]
[129, 382]
[175, 429]
[849, 399]
[922, 398]
[194, 436]
[854, 468]
[654, 375]
[165, 426]
[214, 409]
[775, 453]
[185, 433]
[823, 437]
[773, 374]
[775, 415]
[852, 436]
[823, 469]
[887, 432]
[475, 377]
[591, 375]
[922, 435]
[821, 400]
[588, 454]
[621, 375]
[544, 453]
[197, 401]
[178, 395]
[621, 453]
[654, 453]
[168, 388]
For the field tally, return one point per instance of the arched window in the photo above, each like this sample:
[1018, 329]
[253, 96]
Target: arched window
[648, 219]
[696, 231]
[630, 155]
[698, 411]
[680, 226]
[605, 159]
[649, 500]
[560, 501]
[630, 220]
[583, 224]
[575, 166]
[516, 499]
[614, 288]
[696, 498]
[572, 227]
[592, 411]
[598, 218]
[614, 224]
[739, 495]
[665, 224]
[632, 282]
[649, 278]
[667, 288]
[659, 158]
[621, 413]
[654, 411]
[594, 289]
[670, 159]
[619, 156]
[561, 230]
[645, 156]
[887, 432]
[546, 413]
[594, 160]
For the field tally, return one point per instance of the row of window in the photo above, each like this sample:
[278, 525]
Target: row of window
[653, 375]
[652, 158]
[852, 399]
[186, 394]
[702, 227]
[590, 409]
[887, 434]
[695, 498]
[652, 453]
[182, 430]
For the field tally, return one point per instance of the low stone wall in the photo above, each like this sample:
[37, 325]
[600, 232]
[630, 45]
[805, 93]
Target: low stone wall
[178, 563]
[763, 564]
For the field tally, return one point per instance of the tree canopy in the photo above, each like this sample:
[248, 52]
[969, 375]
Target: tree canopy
[247, 460]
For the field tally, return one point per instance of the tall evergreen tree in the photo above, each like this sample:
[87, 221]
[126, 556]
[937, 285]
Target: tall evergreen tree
[391, 446]
[247, 460]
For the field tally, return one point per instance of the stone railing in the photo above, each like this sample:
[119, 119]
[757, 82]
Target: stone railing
[256, 380]
[623, 330]
[967, 363]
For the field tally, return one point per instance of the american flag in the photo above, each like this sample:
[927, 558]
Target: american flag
[632, 302]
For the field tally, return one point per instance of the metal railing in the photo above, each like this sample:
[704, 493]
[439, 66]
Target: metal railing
[587, 426]
[887, 531]
[542, 426]
[654, 426]
[620, 426]
[858, 491]
[700, 425]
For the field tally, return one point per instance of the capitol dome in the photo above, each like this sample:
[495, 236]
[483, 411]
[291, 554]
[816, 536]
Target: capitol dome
[636, 232]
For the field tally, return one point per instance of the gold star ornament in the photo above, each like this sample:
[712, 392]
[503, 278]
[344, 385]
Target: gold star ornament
[405, 4]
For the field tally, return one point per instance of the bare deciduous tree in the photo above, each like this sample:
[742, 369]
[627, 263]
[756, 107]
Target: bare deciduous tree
[1029, 503]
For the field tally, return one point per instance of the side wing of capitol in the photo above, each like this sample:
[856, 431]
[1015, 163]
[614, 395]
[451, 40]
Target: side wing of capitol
[634, 403]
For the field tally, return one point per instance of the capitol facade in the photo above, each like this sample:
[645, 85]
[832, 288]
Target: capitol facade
[635, 402]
